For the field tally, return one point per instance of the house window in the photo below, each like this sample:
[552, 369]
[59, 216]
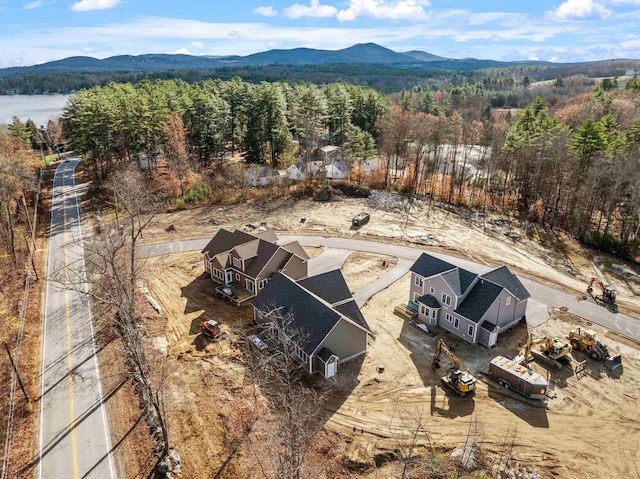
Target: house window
[423, 310]
[419, 281]
[449, 317]
[263, 282]
[446, 299]
[218, 273]
[433, 313]
[304, 357]
[432, 290]
[470, 331]
[508, 302]
[237, 277]
[237, 263]
[456, 323]
[415, 297]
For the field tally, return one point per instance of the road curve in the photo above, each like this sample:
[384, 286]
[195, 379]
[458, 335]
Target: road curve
[542, 296]
[74, 436]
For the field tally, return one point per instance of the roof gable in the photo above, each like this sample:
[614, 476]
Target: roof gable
[225, 240]
[479, 300]
[427, 266]
[264, 253]
[295, 248]
[505, 278]
[459, 280]
[351, 310]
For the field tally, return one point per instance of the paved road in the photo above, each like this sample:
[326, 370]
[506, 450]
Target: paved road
[337, 249]
[74, 436]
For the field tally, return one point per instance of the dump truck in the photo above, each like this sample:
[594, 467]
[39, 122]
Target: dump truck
[512, 375]
[586, 340]
[360, 219]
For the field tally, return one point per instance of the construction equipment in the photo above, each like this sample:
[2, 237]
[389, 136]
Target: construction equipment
[551, 350]
[608, 296]
[587, 340]
[462, 382]
[511, 375]
[211, 329]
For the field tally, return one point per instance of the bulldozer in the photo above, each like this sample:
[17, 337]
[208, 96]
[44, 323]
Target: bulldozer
[552, 350]
[462, 382]
[607, 298]
[587, 340]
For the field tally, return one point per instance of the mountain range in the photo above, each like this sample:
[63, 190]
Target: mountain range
[367, 53]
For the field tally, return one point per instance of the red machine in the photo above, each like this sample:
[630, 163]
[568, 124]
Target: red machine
[211, 329]
[608, 296]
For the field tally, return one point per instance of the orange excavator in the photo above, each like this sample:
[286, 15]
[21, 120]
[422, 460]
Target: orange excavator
[607, 298]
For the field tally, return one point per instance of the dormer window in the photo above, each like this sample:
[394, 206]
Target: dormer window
[237, 262]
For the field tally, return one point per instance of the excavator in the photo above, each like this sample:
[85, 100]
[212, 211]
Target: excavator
[587, 340]
[551, 350]
[607, 298]
[462, 382]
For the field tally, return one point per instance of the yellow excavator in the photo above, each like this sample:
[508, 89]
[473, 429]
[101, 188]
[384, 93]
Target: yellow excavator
[551, 350]
[462, 382]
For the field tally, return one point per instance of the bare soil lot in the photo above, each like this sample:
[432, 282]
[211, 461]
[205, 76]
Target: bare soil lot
[589, 425]
[546, 256]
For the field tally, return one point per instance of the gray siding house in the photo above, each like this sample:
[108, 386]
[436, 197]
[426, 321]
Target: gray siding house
[473, 307]
[319, 315]
[251, 260]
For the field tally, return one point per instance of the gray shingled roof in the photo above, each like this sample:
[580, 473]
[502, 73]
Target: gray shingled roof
[488, 326]
[478, 301]
[351, 310]
[330, 286]
[295, 248]
[226, 240]
[427, 266]
[459, 280]
[325, 354]
[265, 252]
[311, 318]
[505, 278]
[429, 300]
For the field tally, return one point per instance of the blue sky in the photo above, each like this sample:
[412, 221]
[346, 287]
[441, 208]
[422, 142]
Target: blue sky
[35, 31]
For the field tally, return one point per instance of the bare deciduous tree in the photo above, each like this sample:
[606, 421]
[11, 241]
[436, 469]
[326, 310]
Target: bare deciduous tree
[294, 407]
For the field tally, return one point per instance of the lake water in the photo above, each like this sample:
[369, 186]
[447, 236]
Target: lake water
[40, 108]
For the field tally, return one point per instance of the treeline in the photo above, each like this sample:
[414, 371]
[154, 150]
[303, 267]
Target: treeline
[210, 120]
[574, 167]
[384, 78]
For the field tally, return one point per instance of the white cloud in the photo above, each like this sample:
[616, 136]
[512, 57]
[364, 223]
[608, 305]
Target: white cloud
[32, 5]
[624, 2]
[396, 10]
[89, 5]
[267, 11]
[314, 10]
[198, 45]
[181, 51]
[579, 9]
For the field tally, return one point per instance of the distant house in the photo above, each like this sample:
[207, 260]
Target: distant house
[262, 176]
[144, 163]
[250, 260]
[338, 170]
[303, 170]
[319, 315]
[330, 153]
[475, 308]
[371, 165]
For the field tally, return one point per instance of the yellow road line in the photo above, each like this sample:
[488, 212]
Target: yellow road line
[72, 423]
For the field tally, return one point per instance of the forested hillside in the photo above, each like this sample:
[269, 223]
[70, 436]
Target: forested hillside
[568, 160]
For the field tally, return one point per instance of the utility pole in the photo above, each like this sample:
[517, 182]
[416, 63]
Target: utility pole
[13, 365]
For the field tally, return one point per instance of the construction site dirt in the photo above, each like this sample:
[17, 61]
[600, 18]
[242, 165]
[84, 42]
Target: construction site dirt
[587, 425]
